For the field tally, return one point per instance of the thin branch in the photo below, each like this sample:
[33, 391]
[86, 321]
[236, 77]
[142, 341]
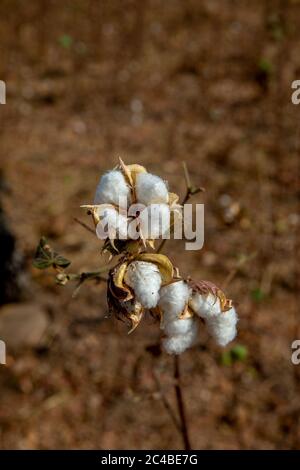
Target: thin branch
[63, 278]
[165, 402]
[233, 272]
[84, 225]
[180, 404]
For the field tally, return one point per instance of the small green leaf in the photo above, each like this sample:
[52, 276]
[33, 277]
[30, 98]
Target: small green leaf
[265, 66]
[257, 294]
[45, 257]
[66, 41]
[239, 352]
[226, 359]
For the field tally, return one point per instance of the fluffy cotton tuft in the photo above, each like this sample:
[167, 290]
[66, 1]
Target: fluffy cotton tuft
[178, 327]
[177, 344]
[151, 189]
[223, 327]
[173, 299]
[155, 221]
[113, 189]
[144, 278]
[112, 224]
[205, 306]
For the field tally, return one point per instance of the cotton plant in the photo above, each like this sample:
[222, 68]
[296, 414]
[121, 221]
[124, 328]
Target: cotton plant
[146, 283]
[143, 281]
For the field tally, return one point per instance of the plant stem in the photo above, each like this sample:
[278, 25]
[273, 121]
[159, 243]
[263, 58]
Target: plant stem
[180, 404]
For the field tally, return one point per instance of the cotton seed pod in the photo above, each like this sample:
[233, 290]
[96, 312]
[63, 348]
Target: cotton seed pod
[113, 189]
[173, 299]
[112, 224]
[177, 327]
[206, 299]
[177, 344]
[223, 327]
[145, 280]
[154, 221]
[151, 189]
[205, 305]
[163, 263]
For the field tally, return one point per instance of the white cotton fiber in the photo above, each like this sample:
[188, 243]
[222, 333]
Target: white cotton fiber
[179, 343]
[223, 327]
[177, 327]
[173, 299]
[155, 221]
[113, 189]
[151, 189]
[205, 305]
[144, 278]
[112, 224]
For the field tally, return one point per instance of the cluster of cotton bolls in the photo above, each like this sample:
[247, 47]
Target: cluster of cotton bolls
[124, 186]
[147, 282]
[180, 307]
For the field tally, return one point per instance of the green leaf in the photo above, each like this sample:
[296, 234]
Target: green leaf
[239, 352]
[45, 257]
[257, 294]
[226, 359]
[66, 41]
[265, 66]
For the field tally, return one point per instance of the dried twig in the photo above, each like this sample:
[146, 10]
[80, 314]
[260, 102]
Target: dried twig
[84, 225]
[180, 404]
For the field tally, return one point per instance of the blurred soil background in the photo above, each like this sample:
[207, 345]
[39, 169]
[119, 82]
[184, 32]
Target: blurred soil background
[155, 82]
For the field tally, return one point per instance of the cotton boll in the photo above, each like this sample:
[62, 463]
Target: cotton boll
[151, 189]
[144, 278]
[173, 299]
[112, 224]
[177, 344]
[178, 327]
[113, 189]
[205, 305]
[154, 221]
[223, 327]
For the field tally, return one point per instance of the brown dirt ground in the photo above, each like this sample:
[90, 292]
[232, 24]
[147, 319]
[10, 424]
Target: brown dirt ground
[156, 82]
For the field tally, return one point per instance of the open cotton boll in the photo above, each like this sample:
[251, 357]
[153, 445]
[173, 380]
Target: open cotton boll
[145, 279]
[112, 224]
[155, 221]
[177, 344]
[205, 305]
[113, 189]
[223, 327]
[173, 299]
[151, 189]
[178, 327]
